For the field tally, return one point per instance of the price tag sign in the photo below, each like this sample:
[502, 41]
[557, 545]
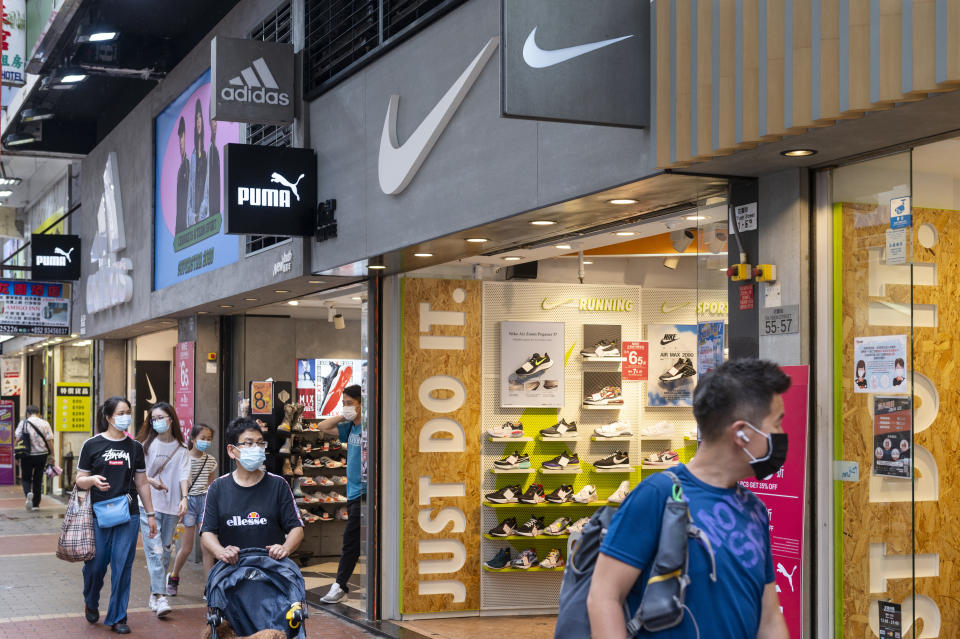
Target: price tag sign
[780, 320]
[637, 356]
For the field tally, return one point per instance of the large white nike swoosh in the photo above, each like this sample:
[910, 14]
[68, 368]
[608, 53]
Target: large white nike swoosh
[539, 58]
[153, 394]
[398, 164]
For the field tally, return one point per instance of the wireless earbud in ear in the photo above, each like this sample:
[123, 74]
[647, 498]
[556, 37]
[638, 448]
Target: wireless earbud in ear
[743, 436]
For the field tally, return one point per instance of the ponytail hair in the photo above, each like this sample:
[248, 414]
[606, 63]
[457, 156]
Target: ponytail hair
[107, 409]
[195, 432]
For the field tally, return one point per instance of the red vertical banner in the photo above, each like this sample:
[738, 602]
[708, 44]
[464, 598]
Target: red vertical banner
[7, 427]
[636, 363]
[784, 495]
[183, 384]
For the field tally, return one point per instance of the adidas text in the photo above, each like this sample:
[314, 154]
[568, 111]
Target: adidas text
[257, 96]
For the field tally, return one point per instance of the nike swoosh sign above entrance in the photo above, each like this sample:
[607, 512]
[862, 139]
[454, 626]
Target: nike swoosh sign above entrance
[398, 164]
[540, 58]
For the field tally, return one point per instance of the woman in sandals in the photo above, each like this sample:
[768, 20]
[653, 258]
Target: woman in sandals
[168, 471]
[203, 470]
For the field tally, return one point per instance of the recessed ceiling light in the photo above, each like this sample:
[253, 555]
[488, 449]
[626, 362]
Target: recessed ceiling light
[318, 282]
[249, 299]
[798, 153]
[281, 290]
[225, 305]
[587, 262]
[564, 247]
[379, 267]
[625, 233]
[512, 258]
[6, 193]
[74, 335]
[201, 312]
[542, 222]
[359, 299]
[477, 240]
[622, 201]
[294, 303]
[697, 218]
[423, 254]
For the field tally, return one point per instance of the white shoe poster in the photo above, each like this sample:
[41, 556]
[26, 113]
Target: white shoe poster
[531, 364]
[673, 364]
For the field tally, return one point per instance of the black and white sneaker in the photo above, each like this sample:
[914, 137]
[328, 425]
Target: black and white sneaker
[560, 429]
[562, 461]
[513, 460]
[534, 495]
[603, 348]
[506, 495]
[680, 369]
[532, 528]
[668, 338]
[535, 364]
[561, 495]
[506, 528]
[619, 459]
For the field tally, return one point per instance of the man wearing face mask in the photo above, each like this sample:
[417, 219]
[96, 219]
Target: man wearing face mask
[739, 409]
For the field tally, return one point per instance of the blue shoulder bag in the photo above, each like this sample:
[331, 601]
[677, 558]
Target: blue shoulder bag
[112, 512]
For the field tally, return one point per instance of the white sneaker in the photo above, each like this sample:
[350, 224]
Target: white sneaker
[163, 608]
[621, 493]
[28, 504]
[586, 495]
[660, 429]
[615, 429]
[336, 594]
[577, 526]
[153, 603]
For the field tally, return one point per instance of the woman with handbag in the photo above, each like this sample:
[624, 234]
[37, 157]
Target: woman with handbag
[34, 460]
[112, 468]
[168, 472]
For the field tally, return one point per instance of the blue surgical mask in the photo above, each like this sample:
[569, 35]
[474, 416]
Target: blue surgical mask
[203, 445]
[161, 425]
[252, 457]
[122, 422]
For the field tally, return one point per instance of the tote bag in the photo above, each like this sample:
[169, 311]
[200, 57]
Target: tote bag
[77, 541]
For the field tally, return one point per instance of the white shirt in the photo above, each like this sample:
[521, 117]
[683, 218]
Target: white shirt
[37, 446]
[177, 469]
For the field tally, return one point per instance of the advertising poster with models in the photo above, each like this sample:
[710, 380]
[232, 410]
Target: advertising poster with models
[673, 364]
[892, 432]
[320, 384]
[531, 364]
[879, 364]
[189, 236]
[784, 495]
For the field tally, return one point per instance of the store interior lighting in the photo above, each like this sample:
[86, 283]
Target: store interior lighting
[682, 240]
[19, 138]
[36, 115]
[671, 263]
[338, 322]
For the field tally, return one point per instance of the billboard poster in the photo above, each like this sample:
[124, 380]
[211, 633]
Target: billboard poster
[879, 364]
[183, 384]
[320, 384]
[709, 346]
[188, 186]
[33, 308]
[892, 433]
[531, 364]
[14, 54]
[7, 426]
[10, 384]
[74, 408]
[673, 364]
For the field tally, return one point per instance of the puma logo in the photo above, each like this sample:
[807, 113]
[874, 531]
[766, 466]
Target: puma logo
[65, 254]
[789, 576]
[279, 179]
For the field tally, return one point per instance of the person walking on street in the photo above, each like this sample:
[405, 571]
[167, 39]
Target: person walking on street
[347, 426]
[203, 470]
[33, 464]
[112, 465]
[168, 472]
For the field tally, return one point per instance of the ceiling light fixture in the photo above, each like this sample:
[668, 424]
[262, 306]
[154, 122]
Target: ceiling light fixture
[35, 115]
[477, 240]
[564, 247]
[19, 139]
[6, 193]
[512, 258]
[798, 153]
[378, 267]
[587, 262]
[359, 299]
[625, 233]
[423, 254]
[542, 223]
[10, 181]
[621, 201]
[249, 299]
[72, 77]
[671, 263]
[294, 303]
[225, 305]
[697, 218]
[317, 282]
[281, 290]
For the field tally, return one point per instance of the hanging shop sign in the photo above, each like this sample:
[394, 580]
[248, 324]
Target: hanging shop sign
[14, 54]
[152, 385]
[574, 61]
[55, 257]
[253, 81]
[270, 190]
[33, 308]
[183, 378]
[74, 408]
[7, 427]
[440, 532]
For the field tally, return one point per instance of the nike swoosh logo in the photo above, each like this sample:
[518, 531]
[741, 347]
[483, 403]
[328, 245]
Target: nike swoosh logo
[398, 164]
[153, 394]
[548, 305]
[539, 58]
[666, 310]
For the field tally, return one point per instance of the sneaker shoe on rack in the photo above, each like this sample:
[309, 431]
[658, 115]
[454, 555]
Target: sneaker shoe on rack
[665, 459]
[558, 527]
[533, 528]
[577, 526]
[603, 348]
[621, 493]
[614, 429]
[335, 594]
[560, 429]
[507, 429]
[506, 495]
[534, 495]
[554, 560]
[342, 513]
[527, 559]
[513, 460]
[586, 495]
[619, 459]
[500, 560]
[506, 528]
[661, 430]
[562, 461]
[163, 607]
[561, 495]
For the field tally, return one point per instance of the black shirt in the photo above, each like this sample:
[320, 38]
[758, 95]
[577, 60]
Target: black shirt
[117, 461]
[250, 517]
[213, 182]
[183, 186]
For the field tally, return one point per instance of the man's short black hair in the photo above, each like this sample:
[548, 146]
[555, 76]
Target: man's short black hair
[239, 426]
[353, 392]
[737, 389]
[33, 409]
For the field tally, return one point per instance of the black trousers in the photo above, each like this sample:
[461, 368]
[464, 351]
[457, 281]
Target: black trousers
[351, 543]
[31, 474]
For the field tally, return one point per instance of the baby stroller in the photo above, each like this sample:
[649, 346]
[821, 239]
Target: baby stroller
[257, 593]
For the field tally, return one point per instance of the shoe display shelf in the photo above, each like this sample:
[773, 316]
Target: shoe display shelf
[533, 569]
[601, 406]
[524, 538]
[619, 438]
[560, 471]
[547, 504]
[594, 358]
[541, 438]
[626, 470]
[507, 440]
[513, 471]
[658, 466]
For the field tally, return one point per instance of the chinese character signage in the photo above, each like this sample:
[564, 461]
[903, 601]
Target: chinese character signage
[14, 42]
[33, 308]
[637, 356]
[183, 384]
[74, 410]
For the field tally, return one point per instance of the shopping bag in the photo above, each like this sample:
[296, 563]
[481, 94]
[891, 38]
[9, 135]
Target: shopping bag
[77, 541]
[52, 470]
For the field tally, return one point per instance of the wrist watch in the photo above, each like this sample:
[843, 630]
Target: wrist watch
[151, 515]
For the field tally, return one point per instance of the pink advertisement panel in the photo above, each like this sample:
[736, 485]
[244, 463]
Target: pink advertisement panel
[183, 384]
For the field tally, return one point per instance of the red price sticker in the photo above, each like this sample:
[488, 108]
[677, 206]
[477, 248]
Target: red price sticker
[637, 356]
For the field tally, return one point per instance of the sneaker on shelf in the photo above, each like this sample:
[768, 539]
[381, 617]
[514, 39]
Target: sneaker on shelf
[335, 444]
[507, 429]
[506, 528]
[500, 560]
[614, 429]
[535, 364]
[337, 497]
[506, 495]
[310, 518]
[326, 482]
[308, 482]
[586, 495]
[558, 527]
[527, 559]
[577, 526]
[660, 430]
[690, 432]
[609, 395]
[682, 368]
[287, 468]
[331, 463]
[335, 594]
[339, 480]
[325, 516]
[342, 513]
[561, 495]
[621, 493]
[513, 460]
[665, 459]
[619, 459]
[296, 489]
[534, 495]
[285, 449]
[554, 560]
[563, 461]
[560, 429]
[298, 467]
[603, 348]
[163, 607]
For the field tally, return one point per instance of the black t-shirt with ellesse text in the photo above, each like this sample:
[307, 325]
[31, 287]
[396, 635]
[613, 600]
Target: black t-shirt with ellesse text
[118, 461]
[250, 517]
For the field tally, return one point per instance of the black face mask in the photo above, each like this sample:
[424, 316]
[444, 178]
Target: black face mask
[768, 465]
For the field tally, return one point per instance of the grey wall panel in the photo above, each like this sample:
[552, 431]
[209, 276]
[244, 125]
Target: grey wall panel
[318, 339]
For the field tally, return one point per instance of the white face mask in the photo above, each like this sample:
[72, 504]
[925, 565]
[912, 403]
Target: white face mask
[349, 412]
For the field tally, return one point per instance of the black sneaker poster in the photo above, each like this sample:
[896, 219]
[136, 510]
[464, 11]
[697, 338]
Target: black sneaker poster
[531, 364]
[673, 364]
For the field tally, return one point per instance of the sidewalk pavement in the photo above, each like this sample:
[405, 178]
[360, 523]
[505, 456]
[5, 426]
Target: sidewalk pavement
[40, 595]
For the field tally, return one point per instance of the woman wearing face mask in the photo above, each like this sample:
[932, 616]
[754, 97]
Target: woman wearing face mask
[168, 471]
[203, 470]
[112, 465]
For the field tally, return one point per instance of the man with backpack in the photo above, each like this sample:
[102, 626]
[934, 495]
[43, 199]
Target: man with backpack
[37, 438]
[731, 591]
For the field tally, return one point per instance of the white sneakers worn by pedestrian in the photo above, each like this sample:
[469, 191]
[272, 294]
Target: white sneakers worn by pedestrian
[336, 594]
[29, 503]
[159, 604]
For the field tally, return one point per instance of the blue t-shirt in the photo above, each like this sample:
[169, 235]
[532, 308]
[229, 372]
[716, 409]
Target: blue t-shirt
[736, 522]
[351, 434]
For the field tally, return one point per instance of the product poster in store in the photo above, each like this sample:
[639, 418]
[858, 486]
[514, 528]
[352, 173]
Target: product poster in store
[892, 432]
[673, 364]
[709, 346]
[531, 364]
[320, 384]
[879, 364]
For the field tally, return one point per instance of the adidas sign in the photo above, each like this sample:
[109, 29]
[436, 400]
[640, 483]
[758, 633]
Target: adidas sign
[255, 84]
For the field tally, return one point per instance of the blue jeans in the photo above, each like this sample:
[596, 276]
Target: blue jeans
[116, 547]
[158, 549]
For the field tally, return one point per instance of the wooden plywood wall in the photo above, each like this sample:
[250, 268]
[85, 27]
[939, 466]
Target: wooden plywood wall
[928, 527]
[441, 535]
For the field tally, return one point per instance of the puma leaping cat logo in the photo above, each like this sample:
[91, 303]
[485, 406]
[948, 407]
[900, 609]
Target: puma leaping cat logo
[783, 571]
[279, 179]
[66, 254]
